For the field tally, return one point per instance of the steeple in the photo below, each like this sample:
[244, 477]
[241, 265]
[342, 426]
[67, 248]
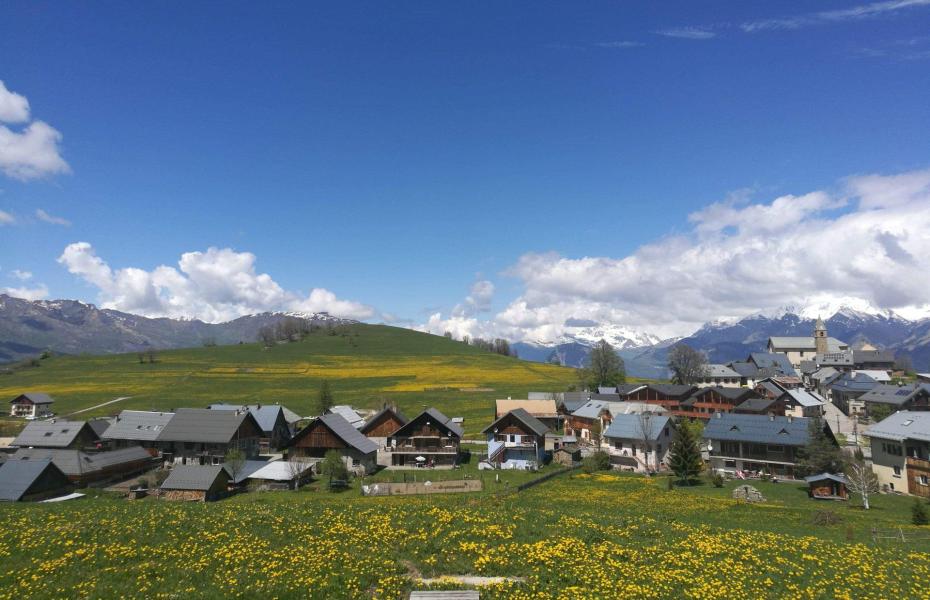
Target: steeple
[820, 336]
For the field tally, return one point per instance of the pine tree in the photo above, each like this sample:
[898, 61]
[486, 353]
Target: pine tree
[919, 513]
[325, 399]
[821, 454]
[685, 455]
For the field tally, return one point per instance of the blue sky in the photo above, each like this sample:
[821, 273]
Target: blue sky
[395, 154]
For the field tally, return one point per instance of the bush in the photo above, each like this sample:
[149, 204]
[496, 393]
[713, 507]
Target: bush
[919, 513]
[599, 461]
[334, 466]
[717, 480]
[160, 476]
[825, 518]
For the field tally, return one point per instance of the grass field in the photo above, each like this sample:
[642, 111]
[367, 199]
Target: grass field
[371, 365]
[576, 536]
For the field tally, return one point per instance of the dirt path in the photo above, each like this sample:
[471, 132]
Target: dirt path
[77, 412]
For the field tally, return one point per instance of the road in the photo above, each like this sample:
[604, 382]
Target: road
[840, 423]
[77, 412]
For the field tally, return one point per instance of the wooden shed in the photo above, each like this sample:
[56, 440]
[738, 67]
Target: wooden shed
[566, 455]
[827, 486]
[196, 483]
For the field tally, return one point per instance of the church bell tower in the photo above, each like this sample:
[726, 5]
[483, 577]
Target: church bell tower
[820, 336]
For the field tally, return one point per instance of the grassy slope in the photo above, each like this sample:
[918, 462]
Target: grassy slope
[371, 365]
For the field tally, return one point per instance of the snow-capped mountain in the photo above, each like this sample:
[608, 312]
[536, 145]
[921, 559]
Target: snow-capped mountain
[618, 336]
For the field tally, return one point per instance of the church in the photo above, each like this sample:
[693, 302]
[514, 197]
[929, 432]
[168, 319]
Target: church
[819, 348]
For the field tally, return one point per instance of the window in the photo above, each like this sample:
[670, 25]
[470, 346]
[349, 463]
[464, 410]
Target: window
[355, 462]
[897, 471]
[923, 480]
[893, 449]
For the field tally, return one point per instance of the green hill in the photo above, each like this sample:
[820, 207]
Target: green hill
[366, 366]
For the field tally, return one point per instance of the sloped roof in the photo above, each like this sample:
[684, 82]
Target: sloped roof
[671, 389]
[853, 382]
[344, 431]
[17, 476]
[756, 405]
[773, 360]
[438, 417]
[348, 413]
[771, 387]
[75, 462]
[630, 427]
[35, 398]
[744, 368]
[804, 343]
[539, 408]
[902, 425]
[204, 425]
[607, 389]
[762, 429]
[272, 470]
[137, 425]
[266, 415]
[822, 476]
[892, 394]
[824, 373]
[805, 398]
[864, 356]
[874, 374]
[715, 370]
[591, 409]
[531, 422]
[374, 418]
[55, 433]
[731, 393]
[198, 478]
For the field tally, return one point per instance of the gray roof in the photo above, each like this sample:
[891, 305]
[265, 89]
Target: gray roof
[824, 373]
[16, 477]
[377, 415]
[721, 371]
[804, 398]
[804, 343]
[591, 409]
[557, 396]
[193, 477]
[54, 433]
[841, 359]
[672, 389]
[75, 462]
[607, 389]
[438, 416]
[893, 394]
[348, 413]
[771, 387]
[137, 425]
[902, 425]
[853, 382]
[35, 398]
[822, 476]
[347, 433]
[757, 405]
[203, 425]
[534, 424]
[628, 427]
[867, 356]
[273, 470]
[762, 429]
[774, 361]
[266, 415]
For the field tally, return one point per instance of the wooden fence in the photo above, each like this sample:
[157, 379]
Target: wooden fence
[898, 534]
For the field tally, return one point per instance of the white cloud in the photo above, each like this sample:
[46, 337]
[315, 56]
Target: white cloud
[620, 44]
[216, 285]
[688, 33]
[39, 292]
[21, 275]
[6, 218]
[740, 258]
[49, 218]
[862, 11]
[14, 108]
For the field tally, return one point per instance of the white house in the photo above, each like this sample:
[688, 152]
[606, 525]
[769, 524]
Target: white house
[901, 452]
[31, 405]
[639, 442]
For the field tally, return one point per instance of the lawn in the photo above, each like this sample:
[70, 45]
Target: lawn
[576, 536]
[369, 366]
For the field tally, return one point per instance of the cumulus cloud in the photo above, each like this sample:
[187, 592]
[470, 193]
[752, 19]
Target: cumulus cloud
[32, 152]
[216, 285]
[39, 292]
[52, 219]
[688, 33]
[6, 218]
[21, 275]
[865, 241]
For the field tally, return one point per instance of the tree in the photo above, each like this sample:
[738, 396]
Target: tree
[644, 422]
[860, 479]
[597, 461]
[596, 433]
[296, 468]
[687, 365]
[919, 513]
[685, 455]
[879, 412]
[234, 462]
[324, 400]
[820, 454]
[605, 367]
[334, 466]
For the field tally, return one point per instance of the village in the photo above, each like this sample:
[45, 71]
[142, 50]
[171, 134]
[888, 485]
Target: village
[755, 419]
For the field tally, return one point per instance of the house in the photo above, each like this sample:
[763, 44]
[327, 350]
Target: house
[429, 439]
[275, 421]
[332, 432]
[348, 413]
[544, 410]
[382, 424]
[760, 406]
[274, 474]
[879, 360]
[202, 483]
[57, 433]
[136, 428]
[847, 390]
[201, 436]
[31, 405]
[569, 402]
[24, 480]
[897, 397]
[821, 379]
[802, 403]
[827, 486]
[756, 443]
[797, 349]
[593, 417]
[517, 440]
[901, 452]
[772, 363]
[719, 375]
[667, 395]
[703, 403]
[83, 468]
[639, 442]
[876, 374]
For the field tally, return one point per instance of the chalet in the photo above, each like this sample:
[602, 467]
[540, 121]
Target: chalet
[802, 403]
[201, 436]
[703, 403]
[822, 379]
[901, 452]
[903, 397]
[749, 373]
[544, 410]
[31, 405]
[276, 422]
[274, 474]
[594, 416]
[57, 433]
[569, 402]
[760, 406]
[333, 432]
[23, 480]
[756, 443]
[136, 428]
[348, 413]
[517, 440]
[847, 389]
[827, 486]
[203, 483]
[668, 396]
[83, 468]
[429, 439]
[719, 375]
[639, 442]
[382, 424]
[769, 388]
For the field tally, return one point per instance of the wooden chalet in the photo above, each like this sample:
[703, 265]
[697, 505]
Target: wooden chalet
[760, 406]
[22, 480]
[709, 400]
[201, 483]
[383, 423]
[202, 436]
[667, 395]
[517, 440]
[334, 432]
[430, 439]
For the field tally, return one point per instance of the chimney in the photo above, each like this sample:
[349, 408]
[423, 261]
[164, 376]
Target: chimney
[718, 414]
[790, 418]
[771, 416]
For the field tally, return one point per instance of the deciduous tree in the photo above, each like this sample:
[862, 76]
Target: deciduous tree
[688, 366]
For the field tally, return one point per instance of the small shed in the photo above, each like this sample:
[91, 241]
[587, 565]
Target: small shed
[201, 483]
[31, 480]
[827, 486]
[566, 455]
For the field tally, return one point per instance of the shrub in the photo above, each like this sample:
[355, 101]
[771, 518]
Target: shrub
[717, 480]
[919, 514]
[599, 461]
[160, 476]
[826, 518]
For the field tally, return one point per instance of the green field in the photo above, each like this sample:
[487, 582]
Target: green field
[366, 367]
[576, 536]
